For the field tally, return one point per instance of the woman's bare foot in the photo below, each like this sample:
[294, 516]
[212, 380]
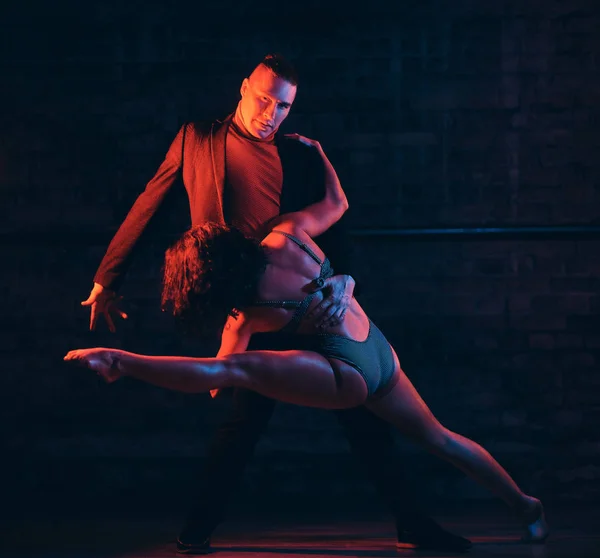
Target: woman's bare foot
[103, 361]
[536, 528]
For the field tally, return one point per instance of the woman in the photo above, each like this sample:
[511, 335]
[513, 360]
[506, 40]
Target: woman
[214, 275]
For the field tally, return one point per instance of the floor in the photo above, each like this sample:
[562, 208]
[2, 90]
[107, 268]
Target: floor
[575, 534]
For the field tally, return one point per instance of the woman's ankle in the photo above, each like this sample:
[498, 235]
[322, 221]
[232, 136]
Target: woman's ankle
[530, 509]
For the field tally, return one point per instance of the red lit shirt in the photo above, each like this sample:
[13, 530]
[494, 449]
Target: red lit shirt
[253, 180]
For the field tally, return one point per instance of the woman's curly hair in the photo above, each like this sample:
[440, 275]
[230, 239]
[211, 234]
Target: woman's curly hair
[211, 272]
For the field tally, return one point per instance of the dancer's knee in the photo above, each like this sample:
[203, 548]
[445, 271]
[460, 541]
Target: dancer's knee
[453, 446]
[237, 371]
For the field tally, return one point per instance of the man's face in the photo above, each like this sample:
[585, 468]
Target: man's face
[266, 102]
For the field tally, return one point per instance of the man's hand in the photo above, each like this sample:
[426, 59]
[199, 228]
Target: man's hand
[103, 301]
[331, 311]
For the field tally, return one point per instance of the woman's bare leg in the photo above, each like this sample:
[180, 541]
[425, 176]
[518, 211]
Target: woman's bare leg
[298, 377]
[404, 408]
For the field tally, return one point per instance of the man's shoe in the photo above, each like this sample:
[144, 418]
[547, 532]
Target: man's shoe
[434, 539]
[194, 539]
[195, 547]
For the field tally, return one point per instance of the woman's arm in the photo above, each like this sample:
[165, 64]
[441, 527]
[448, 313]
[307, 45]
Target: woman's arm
[318, 217]
[234, 339]
[236, 335]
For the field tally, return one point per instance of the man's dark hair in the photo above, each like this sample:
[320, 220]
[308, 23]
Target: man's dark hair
[281, 67]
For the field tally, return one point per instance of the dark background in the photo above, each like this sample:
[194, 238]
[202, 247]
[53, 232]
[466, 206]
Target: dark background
[436, 114]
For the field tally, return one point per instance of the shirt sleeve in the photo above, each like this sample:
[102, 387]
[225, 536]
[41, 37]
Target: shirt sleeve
[122, 248]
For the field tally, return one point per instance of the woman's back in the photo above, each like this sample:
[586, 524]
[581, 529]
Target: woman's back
[295, 264]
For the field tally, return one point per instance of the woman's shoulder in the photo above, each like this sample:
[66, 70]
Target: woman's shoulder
[283, 229]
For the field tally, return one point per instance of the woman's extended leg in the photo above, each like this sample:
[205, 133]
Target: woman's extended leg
[404, 408]
[297, 377]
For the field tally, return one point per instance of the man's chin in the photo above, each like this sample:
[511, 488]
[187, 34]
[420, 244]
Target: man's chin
[262, 133]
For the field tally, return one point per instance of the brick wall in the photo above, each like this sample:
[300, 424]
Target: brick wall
[451, 114]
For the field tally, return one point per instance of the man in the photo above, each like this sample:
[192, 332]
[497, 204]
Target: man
[240, 171]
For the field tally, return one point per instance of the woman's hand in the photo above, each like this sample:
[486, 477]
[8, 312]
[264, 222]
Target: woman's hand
[319, 216]
[103, 361]
[305, 141]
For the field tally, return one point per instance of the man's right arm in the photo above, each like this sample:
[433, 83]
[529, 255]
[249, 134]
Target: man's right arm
[109, 276]
[120, 250]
